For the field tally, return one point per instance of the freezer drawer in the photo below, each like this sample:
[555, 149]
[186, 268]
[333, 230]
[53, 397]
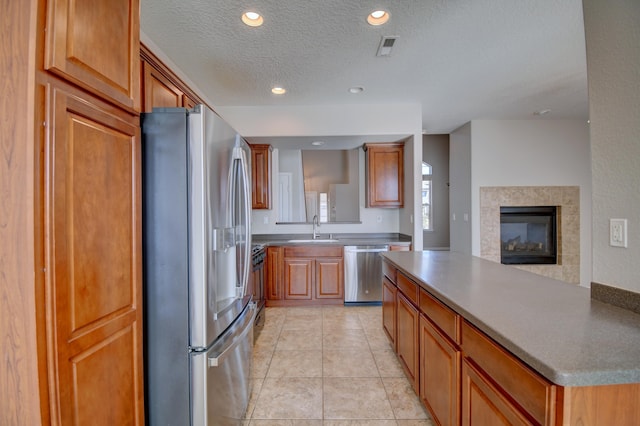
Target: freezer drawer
[220, 383]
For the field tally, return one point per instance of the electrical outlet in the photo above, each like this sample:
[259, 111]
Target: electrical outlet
[379, 219]
[265, 220]
[618, 232]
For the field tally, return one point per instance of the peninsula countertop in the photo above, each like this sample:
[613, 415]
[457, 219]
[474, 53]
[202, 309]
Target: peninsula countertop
[554, 327]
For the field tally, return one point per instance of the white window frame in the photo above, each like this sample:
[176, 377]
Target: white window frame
[427, 176]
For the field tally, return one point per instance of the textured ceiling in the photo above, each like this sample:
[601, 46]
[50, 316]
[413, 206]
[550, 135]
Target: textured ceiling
[460, 59]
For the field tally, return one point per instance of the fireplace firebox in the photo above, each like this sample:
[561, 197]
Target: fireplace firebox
[528, 235]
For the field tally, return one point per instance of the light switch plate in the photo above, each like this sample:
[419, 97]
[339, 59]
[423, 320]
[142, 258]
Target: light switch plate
[618, 232]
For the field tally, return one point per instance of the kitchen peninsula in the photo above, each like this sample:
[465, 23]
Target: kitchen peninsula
[505, 345]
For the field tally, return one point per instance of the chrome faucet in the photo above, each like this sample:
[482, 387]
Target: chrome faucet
[316, 224]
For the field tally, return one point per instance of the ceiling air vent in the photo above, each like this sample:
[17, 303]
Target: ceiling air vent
[386, 44]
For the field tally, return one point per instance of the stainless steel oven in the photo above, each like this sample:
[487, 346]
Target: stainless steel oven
[258, 255]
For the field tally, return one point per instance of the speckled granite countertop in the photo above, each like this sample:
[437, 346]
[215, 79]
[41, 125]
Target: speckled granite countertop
[554, 327]
[343, 239]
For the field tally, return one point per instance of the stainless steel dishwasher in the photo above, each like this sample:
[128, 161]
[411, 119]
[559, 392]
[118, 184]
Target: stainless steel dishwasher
[363, 273]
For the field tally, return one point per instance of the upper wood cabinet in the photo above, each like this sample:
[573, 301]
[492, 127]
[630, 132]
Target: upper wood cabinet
[93, 283]
[160, 87]
[159, 91]
[385, 174]
[96, 45]
[261, 176]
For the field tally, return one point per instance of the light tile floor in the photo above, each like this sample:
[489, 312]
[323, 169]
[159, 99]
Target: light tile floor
[329, 366]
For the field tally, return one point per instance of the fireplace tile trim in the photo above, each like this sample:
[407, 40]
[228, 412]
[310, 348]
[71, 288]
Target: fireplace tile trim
[567, 198]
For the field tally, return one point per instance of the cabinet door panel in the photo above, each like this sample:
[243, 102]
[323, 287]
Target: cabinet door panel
[385, 175]
[439, 374]
[159, 92]
[407, 338]
[483, 404]
[273, 273]
[104, 60]
[94, 284]
[298, 275]
[329, 278]
[531, 391]
[261, 176]
[389, 295]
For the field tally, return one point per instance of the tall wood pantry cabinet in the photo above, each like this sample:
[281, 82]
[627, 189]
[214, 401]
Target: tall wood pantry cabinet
[71, 317]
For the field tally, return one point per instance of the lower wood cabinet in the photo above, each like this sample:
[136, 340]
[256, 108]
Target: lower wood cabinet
[273, 274]
[483, 403]
[302, 275]
[389, 300]
[439, 374]
[534, 395]
[298, 276]
[407, 342]
[464, 377]
[329, 278]
[399, 247]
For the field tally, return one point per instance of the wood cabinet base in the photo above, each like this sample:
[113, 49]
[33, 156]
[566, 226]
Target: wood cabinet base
[315, 302]
[600, 405]
[467, 378]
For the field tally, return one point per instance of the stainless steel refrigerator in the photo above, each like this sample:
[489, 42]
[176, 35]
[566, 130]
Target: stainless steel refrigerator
[198, 319]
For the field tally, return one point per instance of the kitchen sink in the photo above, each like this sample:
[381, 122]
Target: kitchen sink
[317, 240]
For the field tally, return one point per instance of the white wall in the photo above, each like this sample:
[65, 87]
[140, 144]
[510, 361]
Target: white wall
[533, 153]
[338, 120]
[613, 61]
[460, 189]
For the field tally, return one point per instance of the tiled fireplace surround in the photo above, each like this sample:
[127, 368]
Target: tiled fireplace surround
[567, 198]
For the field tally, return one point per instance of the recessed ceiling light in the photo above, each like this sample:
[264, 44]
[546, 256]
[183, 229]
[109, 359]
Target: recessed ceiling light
[278, 90]
[542, 112]
[356, 89]
[378, 17]
[252, 19]
[317, 143]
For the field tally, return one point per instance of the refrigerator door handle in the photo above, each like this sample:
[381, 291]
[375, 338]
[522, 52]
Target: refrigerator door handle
[246, 184]
[217, 361]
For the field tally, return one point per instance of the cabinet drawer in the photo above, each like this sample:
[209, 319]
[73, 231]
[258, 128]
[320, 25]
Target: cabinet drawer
[439, 314]
[313, 251]
[389, 271]
[408, 288]
[529, 390]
